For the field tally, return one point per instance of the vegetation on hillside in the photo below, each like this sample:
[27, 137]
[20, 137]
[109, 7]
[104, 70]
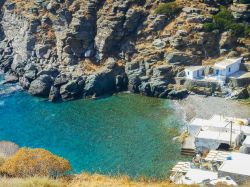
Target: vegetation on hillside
[31, 182]
[224, 21]
[169, 9]
[34, 162]
[40, 168]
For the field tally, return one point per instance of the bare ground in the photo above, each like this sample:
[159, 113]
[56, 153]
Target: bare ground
[205, 107]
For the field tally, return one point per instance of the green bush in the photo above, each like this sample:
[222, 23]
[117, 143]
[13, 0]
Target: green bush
[237, 29]
[247, 31]
[245, 1]
[224, 21]
[170, 9]
[209, 27]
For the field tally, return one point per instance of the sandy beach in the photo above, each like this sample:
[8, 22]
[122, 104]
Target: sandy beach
[205, 107]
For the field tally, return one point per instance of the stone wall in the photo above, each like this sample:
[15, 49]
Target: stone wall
[239, 179]
[239, 82]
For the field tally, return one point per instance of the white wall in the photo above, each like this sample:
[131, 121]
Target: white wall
[189, 74]
[231, 69]
[193, 74]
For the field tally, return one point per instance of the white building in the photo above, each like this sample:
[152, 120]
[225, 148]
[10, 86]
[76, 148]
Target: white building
[186, 173]
[227, 67]
[211, 140]
[233, 164]
[220, 123]
[237, 167]
[195, 72]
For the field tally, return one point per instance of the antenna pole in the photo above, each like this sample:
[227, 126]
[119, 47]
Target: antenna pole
[231, 129]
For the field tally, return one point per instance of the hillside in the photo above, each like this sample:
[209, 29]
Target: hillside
[64, 49]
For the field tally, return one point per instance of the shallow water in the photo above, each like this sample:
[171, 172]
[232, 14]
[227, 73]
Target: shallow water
[121, 134]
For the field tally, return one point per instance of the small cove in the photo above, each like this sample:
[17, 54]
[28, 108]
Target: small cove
[122, 134]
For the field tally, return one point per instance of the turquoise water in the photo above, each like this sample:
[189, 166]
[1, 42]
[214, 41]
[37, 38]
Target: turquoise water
[122, 134]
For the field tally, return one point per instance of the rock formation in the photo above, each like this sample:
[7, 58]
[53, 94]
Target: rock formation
[64, 49]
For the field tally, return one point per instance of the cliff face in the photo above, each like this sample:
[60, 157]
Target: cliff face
[64, 49]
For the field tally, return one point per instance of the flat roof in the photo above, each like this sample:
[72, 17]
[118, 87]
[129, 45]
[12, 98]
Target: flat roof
[239, 164]
[194, 68]
[216, 135]
[197, 176]
[221, 122]
[227, 62]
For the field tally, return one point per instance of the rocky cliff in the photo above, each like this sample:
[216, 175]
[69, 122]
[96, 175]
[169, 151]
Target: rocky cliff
[65, 49]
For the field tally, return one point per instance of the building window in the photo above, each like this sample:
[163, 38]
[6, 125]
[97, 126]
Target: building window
[229, 70]
[188, 72]
[203, 73]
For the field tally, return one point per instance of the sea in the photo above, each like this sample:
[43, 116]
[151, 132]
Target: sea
[122, 134]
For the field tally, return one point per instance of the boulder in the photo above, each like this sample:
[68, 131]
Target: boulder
[180, 58]
[72, 90]
[42, 51]
[61, 80]
[240, 93]
[5, 64]
[41, 86]
[227, 40]
[178, 94]
[24, 82]
[54, 94]
[145, 89]
[31, 70]
[101, 83]
[52, 72]
[134, 83]
[8, 149]
[121, 82]
[10, 79]
[158, 88]
[159, 44]
[18, 65]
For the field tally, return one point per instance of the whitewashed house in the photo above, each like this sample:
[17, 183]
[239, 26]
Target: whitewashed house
[220, 123]
[194, 72]
[233, 164]
[212, 140]
[237, 167]
[227, 67]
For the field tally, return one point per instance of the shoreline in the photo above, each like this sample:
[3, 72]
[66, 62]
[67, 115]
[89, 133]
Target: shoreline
[205, 107]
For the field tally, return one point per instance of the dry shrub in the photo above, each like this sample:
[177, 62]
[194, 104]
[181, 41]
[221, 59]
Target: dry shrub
[31, 182]
[96, 180]
[34, 162]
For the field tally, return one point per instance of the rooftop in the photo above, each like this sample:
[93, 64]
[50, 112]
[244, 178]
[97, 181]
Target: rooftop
[222, 122]
[216, 135]
[238, 164]
[194, 68]
[197, 176]
[227, 62]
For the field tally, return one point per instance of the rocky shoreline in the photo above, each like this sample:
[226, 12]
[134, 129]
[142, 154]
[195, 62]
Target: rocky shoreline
[64, 50]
